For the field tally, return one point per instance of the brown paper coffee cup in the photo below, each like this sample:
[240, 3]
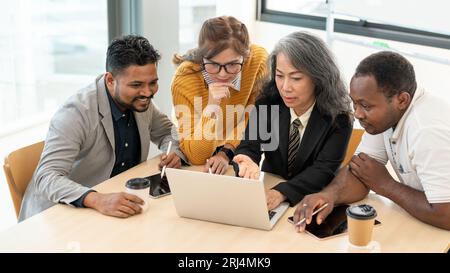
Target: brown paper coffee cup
[360, 221]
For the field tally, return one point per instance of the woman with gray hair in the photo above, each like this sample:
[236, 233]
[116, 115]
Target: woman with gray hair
[311, 127]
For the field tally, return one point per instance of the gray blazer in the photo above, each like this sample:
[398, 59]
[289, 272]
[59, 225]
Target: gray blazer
[79, 148]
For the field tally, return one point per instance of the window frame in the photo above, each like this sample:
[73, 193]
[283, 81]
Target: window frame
[361, 28]
[124, 18]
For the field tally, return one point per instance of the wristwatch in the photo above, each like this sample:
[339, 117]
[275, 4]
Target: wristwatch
[228, 152]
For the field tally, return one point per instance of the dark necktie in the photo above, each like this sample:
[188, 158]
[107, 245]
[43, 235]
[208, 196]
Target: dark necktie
[294, 141]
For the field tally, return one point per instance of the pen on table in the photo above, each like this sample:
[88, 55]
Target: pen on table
[318, 210]
[168, 151]
[209, 167]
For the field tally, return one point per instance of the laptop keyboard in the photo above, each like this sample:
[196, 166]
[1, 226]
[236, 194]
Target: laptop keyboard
[271, 214]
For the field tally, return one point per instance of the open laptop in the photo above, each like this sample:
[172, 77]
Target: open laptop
[222, 199]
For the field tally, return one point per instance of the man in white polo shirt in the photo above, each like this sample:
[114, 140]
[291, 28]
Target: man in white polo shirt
[404, 125]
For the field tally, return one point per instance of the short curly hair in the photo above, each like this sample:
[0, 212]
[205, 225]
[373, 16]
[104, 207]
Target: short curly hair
[130, 50]
[393, 72]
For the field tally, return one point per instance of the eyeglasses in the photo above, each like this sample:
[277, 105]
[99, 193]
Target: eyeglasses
[215, 68]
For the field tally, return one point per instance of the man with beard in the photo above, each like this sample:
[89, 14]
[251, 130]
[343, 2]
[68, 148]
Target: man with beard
[101, 131]
[404, 125]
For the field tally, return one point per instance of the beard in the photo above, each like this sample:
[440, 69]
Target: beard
[133, 105]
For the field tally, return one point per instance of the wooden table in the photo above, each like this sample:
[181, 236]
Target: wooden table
[66, 229]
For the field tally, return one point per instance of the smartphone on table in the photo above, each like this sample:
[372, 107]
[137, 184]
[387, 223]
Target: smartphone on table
[158, 186]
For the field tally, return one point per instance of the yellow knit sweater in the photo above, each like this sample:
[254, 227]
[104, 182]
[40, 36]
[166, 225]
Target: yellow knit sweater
[198, 135]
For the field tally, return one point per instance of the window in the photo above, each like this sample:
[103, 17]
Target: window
[411, 21]
[50, 49]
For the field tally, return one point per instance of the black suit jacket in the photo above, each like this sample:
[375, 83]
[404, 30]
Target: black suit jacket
[321, 152]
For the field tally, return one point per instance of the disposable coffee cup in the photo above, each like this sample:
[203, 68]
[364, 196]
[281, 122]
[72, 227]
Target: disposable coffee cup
[141, 188]
[360, 221]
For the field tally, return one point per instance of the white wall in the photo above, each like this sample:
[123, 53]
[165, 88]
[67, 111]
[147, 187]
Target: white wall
[160, 27]
[244, 11]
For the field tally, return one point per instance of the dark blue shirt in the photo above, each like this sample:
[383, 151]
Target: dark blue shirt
[127, 140]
